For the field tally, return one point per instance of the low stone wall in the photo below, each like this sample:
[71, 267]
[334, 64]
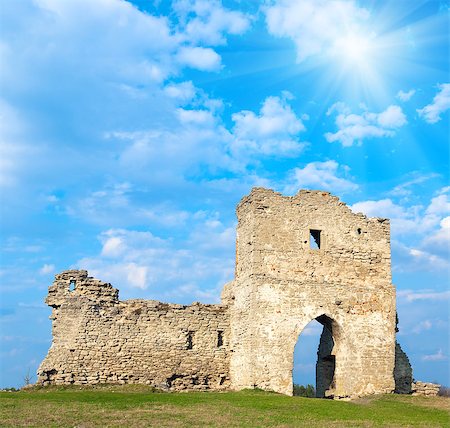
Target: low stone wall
[425, 389]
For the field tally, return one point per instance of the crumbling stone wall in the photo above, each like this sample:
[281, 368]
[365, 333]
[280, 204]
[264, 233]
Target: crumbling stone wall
[99, 339]
[426, 389]
[282, 282]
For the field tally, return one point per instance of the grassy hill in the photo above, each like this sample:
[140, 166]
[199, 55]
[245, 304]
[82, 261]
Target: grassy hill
[138, 406]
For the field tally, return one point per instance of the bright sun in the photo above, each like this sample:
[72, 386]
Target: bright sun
[353, 49]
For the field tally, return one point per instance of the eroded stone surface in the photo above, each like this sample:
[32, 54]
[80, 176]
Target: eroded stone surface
[281, 284]
[426, 389]
[99, 339]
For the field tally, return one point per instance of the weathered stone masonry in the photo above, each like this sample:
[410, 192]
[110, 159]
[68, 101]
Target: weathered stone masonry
[99, 339]
[297, 259]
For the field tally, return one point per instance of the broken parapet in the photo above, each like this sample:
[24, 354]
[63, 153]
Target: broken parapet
[76, 285]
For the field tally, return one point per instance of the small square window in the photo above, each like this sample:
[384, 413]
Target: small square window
[314, 239]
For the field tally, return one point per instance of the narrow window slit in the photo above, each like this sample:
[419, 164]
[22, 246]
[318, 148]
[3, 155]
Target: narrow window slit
[189, 340]
[219, 338]
[72, 285]
[314, 239]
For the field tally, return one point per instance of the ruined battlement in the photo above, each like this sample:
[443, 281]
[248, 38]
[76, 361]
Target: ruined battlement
[300, 258]
[100, 339]
[76, 284]
[311, 236]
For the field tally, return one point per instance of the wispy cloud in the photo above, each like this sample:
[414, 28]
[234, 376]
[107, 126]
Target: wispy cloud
[405, 96]
[432, 112]
[46, 269]
[405, 188]
[411, 295]
[438, 356]
[423, 326]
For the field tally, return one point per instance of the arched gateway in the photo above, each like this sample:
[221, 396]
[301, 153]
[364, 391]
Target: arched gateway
[298, 259]
[325, 363]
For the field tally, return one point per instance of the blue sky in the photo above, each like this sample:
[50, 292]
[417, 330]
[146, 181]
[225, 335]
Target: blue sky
[130, 130]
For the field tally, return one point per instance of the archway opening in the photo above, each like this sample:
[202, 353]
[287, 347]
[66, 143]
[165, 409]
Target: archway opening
[315, 360]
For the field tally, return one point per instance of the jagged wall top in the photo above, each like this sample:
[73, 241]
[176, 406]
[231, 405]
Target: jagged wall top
[274, 238]
[77, 284]
[319, 196]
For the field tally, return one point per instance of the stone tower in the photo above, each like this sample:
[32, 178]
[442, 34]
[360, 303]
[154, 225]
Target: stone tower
[310, 257]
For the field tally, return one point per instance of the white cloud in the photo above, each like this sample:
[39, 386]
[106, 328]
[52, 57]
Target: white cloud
[197, 117]
[405, 96]
[205, 59]
[392, 117]
[136, 275]
[353, 127]
[431, 113]
[46, 269]
[440, 204]
[439, 241]
[210, 21]
[314, 25]
[183, 91]
[273, 132]
[113, 247]
[319, 175]
[438, 356]
[413, 258]
[384, 208]
[413, 219]
[425, 231]
[428, 261]
[276, 117]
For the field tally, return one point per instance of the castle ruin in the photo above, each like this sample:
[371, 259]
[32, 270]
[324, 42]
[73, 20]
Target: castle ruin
[298, 259]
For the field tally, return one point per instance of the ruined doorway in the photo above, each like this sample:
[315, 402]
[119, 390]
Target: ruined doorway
[315, 359]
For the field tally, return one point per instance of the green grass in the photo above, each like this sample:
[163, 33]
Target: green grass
[138, 406]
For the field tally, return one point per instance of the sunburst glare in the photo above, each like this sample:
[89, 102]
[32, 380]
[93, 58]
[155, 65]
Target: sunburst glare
[354, 49]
